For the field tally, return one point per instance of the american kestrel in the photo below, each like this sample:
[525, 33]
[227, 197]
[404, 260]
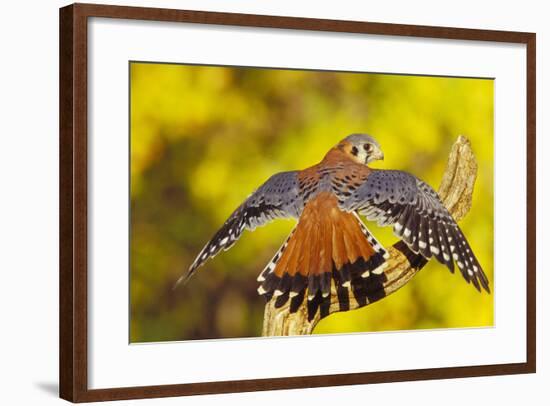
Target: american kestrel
[330, 243]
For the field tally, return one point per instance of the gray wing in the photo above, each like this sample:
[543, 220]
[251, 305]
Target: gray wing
[418, 217]
[278, 197]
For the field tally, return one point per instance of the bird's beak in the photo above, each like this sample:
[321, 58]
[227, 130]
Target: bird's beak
[378, 156]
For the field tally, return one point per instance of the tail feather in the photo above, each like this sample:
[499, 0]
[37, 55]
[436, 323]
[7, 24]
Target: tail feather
[339, 248]
[327, 246]
[325, 254]
[311, 235]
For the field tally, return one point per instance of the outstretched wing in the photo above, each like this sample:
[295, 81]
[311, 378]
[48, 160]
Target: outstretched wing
[418, 217]
[279, 197]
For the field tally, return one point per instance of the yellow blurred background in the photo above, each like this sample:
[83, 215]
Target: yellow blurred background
[203, 138]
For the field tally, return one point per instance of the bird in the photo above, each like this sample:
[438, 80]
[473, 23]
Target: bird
[330, 245]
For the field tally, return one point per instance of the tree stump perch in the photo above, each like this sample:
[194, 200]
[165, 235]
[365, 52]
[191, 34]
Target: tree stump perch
[456, 191]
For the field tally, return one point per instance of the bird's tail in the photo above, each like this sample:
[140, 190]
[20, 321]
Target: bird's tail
[327, 246]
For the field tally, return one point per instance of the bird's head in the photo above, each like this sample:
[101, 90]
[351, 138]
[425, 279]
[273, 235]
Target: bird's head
[361, 148]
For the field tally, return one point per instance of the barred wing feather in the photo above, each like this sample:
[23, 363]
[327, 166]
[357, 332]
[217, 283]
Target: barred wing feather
[418, 217]
[278, 197]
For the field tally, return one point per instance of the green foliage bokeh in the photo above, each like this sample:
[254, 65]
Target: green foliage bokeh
[203, 138]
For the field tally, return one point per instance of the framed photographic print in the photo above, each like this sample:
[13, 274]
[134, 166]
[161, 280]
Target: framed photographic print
[238, 192]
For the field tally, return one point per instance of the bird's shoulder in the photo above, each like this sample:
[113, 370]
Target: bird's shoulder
[336, 177]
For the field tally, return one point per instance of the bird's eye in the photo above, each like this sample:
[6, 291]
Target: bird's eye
[368, 147]
[354, 151]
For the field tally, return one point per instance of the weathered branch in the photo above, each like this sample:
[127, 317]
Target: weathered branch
[455, 190]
